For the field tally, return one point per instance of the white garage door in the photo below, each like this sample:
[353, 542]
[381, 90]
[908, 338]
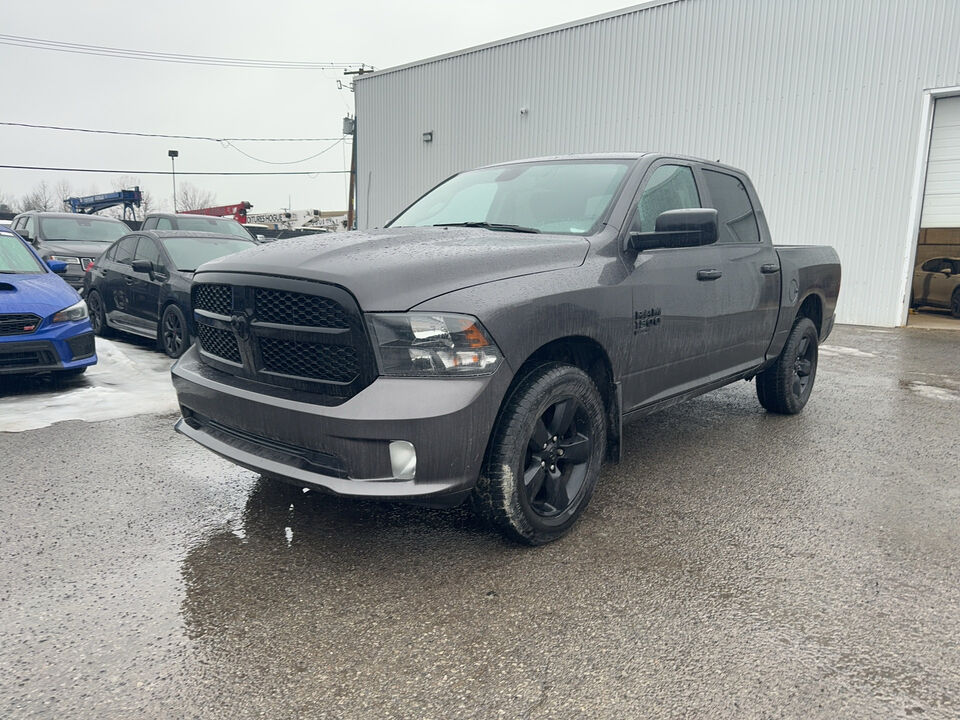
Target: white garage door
[941, 197]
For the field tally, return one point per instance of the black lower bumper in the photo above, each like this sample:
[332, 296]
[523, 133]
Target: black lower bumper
[345, 449]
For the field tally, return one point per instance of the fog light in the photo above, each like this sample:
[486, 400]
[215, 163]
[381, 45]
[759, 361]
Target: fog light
[403, 459]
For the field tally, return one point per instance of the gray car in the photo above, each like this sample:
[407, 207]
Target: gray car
[936, 283]
[73, 238]
[491, 341]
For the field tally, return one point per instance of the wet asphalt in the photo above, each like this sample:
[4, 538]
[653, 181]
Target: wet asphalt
[735, 564]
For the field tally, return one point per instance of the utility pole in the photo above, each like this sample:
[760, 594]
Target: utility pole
[350, 128]
[173, 164]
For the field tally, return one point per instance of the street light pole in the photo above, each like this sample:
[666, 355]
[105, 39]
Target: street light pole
[173, 164]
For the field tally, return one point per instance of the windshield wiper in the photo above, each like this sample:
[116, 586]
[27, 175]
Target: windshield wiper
[490, 226]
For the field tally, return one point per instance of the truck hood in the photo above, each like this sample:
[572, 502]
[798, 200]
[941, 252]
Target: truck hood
[42, 294]
[73, 248]
[397, 268]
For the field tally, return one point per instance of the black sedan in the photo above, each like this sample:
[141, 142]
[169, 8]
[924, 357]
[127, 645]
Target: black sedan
[141, 284]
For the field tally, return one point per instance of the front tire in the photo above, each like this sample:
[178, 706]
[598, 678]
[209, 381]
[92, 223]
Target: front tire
[173, 336]
[544, 459]
[784, 387]
[955, 303]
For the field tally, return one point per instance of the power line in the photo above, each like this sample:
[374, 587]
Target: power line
[168, 137]
[286, 162]
[181, 58]
[169, 172]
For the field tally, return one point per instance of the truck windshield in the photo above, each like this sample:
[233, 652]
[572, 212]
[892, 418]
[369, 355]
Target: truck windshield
[567, 197]
[189, 253]
[15, 258]
[224, 226]
[82, 229]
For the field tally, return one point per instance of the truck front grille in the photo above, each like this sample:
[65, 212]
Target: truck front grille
[309, 360]
[286, 332]
[222, 343]
[214, 298]
[18, 323]
[293, 308]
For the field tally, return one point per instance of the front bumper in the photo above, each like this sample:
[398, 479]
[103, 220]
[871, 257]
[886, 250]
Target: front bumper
[62, 347]
[344, 449]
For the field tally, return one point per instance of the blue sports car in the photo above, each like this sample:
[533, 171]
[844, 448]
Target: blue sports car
[43, 322]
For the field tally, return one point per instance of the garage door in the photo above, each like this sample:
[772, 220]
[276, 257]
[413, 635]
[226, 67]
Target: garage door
[941, 198]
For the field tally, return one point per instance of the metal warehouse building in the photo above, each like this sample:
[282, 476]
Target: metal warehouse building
[829, 105]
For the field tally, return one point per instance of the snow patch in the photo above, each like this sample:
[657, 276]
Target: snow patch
[128, 380]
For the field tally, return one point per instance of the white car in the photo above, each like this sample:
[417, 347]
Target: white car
[937, 283]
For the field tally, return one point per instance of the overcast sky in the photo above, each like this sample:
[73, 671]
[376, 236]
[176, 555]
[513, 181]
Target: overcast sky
[54, 88]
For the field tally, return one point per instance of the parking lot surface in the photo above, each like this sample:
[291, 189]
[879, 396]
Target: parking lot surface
[735, 564]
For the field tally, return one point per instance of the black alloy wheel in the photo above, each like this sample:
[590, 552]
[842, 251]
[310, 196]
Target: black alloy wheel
[173, 332]
[558, 452]
[785, 386]
[544, 456]
[803, 367]
[98, 320]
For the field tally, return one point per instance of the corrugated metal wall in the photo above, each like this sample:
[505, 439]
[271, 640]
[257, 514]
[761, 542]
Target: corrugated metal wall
[819, 101]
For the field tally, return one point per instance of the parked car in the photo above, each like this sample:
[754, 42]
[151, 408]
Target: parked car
[195, 223]
[141, 284]
[936, 283]
[491, 341]
[43, 321]
[73, 238]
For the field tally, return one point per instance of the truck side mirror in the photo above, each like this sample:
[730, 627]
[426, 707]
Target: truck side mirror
[687, 227]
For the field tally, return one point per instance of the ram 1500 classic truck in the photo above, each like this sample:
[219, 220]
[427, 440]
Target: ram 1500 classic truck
[490, 341]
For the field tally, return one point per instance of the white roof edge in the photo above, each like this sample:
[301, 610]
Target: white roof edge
[517, 38]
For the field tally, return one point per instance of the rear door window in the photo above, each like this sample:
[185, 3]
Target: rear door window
[164, 224]
[735, 214]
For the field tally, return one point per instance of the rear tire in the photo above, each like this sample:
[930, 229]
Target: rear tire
[955, 303]
[545, 455]
[98, 318]
[784, 387]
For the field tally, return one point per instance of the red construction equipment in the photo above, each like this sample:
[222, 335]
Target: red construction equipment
[239, 211]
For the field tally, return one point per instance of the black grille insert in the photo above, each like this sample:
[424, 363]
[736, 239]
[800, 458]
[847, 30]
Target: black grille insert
[18, 324]
[284, 332]
[213, 298]
[332, 363]
[222, 343]
[293, 308]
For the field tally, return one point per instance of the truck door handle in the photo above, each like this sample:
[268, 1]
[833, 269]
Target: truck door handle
[129, 280]
[708, 274]
[769, 268]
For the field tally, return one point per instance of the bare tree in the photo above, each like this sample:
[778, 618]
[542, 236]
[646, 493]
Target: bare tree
[37, 199]
[6, 204]
[193, 198]
[61, 191]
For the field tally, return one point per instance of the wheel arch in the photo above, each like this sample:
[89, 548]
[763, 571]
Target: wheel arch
[590, 356]
[812, 308]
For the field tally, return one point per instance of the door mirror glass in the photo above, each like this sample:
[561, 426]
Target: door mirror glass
[688, 227]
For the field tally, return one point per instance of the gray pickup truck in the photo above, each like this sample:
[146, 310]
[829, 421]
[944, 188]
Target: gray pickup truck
[490, 341]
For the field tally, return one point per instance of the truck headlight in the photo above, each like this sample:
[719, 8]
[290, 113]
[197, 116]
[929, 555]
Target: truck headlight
[74, 312]
[68, 259]
[432, 344]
